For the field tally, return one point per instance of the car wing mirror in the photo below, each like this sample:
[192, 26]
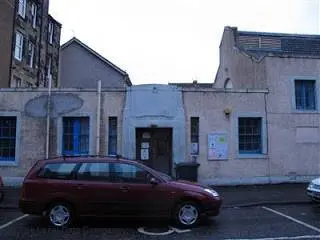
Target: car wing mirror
[154, 181]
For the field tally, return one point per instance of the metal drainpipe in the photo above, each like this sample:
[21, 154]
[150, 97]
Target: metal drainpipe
[267, 135]
[39, 45]
[98, 118]
[12, 40]
[48, 117]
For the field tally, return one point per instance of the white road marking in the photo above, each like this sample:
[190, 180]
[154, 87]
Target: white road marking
[13, 221]
[180, 230]
[170, 230]
[280, 238]
[141, 230]
[292, 219]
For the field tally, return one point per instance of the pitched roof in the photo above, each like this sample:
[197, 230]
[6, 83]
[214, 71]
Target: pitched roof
[53, 19]
[90, 50]
[261, 44]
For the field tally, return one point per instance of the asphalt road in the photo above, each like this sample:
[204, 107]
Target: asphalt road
[262, 222]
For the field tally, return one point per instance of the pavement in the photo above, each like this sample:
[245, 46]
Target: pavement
[233, 196]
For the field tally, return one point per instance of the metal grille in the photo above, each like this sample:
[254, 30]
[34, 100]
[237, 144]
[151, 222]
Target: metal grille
[250, 135]
[7, 138]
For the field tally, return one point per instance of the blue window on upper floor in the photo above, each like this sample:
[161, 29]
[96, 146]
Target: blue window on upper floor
[8, 138]
[250, 137]
[305, 94]
[75, 135]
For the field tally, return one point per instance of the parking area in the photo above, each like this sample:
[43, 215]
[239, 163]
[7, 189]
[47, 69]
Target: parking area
[262, 222]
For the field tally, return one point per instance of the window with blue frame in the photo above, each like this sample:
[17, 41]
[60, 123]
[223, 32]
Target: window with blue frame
[8, 138]
[112, 138]
[250, 139]
[305, 93]
[75, 135]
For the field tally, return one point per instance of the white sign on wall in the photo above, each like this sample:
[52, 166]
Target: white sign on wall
[217, 146]
[144, 154]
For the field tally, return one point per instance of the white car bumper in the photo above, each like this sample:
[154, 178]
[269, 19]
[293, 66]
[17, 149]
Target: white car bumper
[314, 192]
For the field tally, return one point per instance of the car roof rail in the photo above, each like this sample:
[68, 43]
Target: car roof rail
[52, 158]
[117, 156]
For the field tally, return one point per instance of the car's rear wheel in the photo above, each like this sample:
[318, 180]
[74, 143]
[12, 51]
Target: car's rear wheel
[60, 215]
[187, 214]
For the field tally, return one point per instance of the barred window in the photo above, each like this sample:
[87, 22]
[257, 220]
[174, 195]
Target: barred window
[250, 139]
[8, 138]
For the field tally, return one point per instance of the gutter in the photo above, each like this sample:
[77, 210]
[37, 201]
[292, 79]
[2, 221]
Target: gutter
[48, 117]
[12, 42]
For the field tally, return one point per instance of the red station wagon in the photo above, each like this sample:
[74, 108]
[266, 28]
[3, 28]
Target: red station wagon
[64, 189]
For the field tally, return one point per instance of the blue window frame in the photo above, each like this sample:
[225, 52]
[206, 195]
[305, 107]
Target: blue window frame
[250, 138]
[75, 135]
[305, 94]
[112, 139]
[8, 138]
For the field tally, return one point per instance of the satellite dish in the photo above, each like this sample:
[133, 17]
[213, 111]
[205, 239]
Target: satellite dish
[60, 104]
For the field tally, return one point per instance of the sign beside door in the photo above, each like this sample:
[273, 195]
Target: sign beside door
[144, 155]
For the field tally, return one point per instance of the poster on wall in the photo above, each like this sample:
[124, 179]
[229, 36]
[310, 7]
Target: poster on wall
[217, 146]
[194, 149]
[144, 153]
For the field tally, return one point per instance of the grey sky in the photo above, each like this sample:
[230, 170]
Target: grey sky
[161, 41]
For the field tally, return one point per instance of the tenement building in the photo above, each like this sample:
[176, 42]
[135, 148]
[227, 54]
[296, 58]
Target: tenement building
[31, 44]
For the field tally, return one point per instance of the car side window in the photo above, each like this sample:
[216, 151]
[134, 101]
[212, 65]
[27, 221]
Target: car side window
[123, 172]
[58, 171]
[94, 172]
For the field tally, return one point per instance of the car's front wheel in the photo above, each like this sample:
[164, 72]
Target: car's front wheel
[187, 214]
[60, 215]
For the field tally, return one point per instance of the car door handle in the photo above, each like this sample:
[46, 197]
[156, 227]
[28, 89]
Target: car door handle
[124, 189]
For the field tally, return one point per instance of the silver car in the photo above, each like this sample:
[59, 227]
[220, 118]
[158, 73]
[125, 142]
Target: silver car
[313, 190]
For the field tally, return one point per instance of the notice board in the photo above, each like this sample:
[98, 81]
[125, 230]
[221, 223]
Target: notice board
[217, 146]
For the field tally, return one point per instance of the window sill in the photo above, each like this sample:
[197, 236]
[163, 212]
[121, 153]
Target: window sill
[8, 164]
[305, 111]
[218, 160]
[252, 156]
[18, 60]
